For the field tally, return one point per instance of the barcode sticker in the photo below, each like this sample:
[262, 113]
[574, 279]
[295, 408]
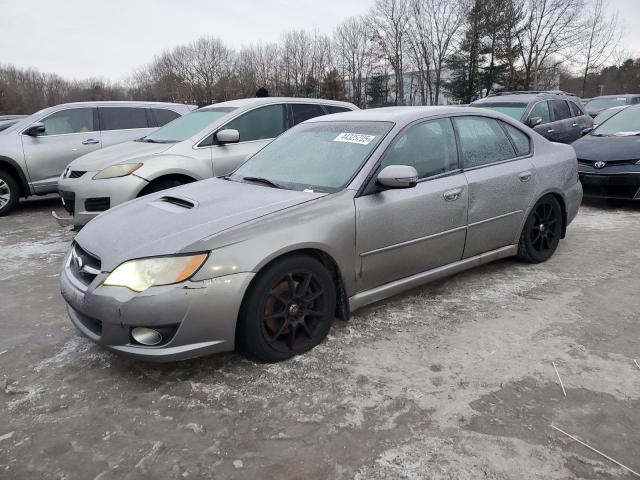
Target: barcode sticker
[358, 138]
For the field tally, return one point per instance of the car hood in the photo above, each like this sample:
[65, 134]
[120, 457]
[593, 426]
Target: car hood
[120, 153]
[173, 220]
[608, 149]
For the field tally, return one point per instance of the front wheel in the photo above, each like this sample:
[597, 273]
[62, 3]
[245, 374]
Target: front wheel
[541, 233]
[9, 193]
[288, 310]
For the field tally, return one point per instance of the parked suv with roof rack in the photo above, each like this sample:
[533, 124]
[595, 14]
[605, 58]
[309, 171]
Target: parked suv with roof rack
[556, 115]
[35, 150]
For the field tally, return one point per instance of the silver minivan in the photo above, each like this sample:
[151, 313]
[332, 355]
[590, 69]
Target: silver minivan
[210, 142]
[35, 150]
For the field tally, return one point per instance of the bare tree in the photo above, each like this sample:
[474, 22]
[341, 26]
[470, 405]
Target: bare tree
[390, 20]
[602, 38]
[353, 47]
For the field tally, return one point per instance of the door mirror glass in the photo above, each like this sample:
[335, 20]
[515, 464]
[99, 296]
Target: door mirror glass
[35, 130]
[228, 135]
[398, 176]
[535, 121]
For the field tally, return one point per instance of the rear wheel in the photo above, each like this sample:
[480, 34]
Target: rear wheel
[288, 311]
[9, 193]
[541, 233]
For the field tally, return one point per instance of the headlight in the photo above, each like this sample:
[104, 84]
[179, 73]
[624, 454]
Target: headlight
[138, 275]
[120, 170]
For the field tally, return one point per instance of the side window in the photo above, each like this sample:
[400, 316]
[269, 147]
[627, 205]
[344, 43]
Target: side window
[560, 110]
[334, 109]
[305, 111]
[575, 109]
[520, 139]
[260, 123]
[483, 141]
[430, 147]
[164, 116]
[122, 118]
[72, 120]
[541, 109]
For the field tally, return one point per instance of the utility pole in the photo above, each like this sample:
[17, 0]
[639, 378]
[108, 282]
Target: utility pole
[535, 72]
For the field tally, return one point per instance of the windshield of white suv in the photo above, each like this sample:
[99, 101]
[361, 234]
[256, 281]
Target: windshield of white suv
[626, 122]
[514, 110]
[321, 156]
[187, 126]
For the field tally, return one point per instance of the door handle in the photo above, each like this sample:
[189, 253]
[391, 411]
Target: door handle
[452, 195]
[524, 176]
[551, 130]
[574, 124]
[90, 141]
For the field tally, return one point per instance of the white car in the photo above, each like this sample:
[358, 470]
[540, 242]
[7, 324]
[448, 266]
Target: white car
[209, 142]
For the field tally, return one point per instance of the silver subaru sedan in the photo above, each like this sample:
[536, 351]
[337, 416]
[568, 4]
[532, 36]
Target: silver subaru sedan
[336, 213]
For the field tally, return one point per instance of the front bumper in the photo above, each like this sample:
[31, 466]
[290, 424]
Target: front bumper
[84, 198]
[613, 182]
[201, 315]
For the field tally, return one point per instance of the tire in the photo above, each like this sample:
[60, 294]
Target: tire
[9, 193]
[288, 310]
[542, 230]
[159, 185]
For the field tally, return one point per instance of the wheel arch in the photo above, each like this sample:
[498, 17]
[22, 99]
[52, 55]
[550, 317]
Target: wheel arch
[11, 167]
[563, 207]
[181, 177]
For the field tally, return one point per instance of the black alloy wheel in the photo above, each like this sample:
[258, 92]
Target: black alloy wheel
[542, 231]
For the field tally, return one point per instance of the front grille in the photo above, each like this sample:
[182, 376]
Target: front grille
[68, 201]
[76, 173]
[99, 204]
[83, 266]
[609, 163]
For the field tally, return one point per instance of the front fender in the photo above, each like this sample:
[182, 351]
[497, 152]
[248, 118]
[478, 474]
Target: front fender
[163, 165]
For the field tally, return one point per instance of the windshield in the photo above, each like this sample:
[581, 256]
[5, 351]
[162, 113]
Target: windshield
[321, 156]
[608, 113]
[187, 126]
[625, 122]
[602, 103]
[514, 110]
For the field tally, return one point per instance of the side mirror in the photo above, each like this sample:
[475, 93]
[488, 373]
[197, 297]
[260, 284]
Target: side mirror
[35, 130]
[535, 121]
[227, 135]
[585, 131]
[398, 176]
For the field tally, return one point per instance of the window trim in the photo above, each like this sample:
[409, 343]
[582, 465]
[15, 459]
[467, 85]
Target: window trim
[123, 129]
[498, 162]
[96, 122]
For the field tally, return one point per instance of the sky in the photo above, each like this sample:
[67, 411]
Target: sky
[111, 38]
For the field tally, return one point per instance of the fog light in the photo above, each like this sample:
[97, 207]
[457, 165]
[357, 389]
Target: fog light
[146, 336]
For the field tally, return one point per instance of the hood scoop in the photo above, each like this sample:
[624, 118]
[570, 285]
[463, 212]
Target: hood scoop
[173, 204]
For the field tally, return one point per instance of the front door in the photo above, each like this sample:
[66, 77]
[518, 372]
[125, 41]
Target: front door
[501, 181]
[402, 232]
[68, 134]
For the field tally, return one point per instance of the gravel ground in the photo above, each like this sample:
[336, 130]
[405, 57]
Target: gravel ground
[452, 380]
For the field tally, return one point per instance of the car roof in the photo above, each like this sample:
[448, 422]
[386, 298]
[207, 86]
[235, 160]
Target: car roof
[621, 95]
[257, 101]
[118, 103]
[404, 115]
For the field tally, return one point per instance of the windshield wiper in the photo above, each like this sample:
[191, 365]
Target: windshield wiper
[265, 181]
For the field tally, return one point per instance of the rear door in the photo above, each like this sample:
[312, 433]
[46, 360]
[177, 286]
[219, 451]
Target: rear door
[501, 179]
[402, 232]
[120, 124]
[257, 128]
[69, 134]
[561, 117]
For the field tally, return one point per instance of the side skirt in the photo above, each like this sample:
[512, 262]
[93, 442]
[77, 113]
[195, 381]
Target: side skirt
[393, 288]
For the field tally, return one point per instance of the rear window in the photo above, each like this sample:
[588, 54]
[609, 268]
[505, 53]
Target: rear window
[515, 110]
[122, 118]
[164, 116]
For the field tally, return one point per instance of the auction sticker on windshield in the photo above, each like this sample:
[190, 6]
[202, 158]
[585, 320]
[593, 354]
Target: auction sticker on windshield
[358, 138]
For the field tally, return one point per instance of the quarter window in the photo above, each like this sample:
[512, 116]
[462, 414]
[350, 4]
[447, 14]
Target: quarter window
[430, 147]
[560, 110]
[259, 124]
[305, 111]
[483, 141]
[575, 109]
[122, 118]
[541, 109]
[520, 140]
[72, 120]
[164, 116]
[334, 109]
